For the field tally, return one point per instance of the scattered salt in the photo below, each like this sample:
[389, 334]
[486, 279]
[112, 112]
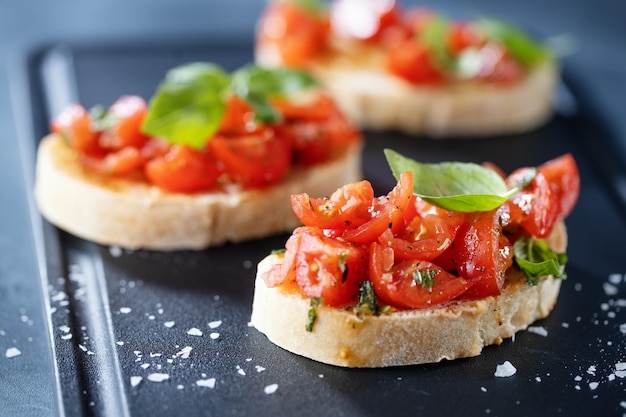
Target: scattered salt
[505, 370]
[214, 335]
[194, 332]
[615, 278]
[214, 324]
[259, 368]
[135, 380]
[620, 366]
[591, 370]
[119, 343]
[593, 385]
[169, 324]
[609, 289]
[184, 353]
[270, 389]
[540, 330]
[622, 328]
[145, 365]
[578, 378]
[538, 379]
[209, 383]
[157, 377]
[115, 251]
[12, 352]
[565, 325]
[622, 404]
[240, 371]
[483, 389]
[620, 374]
[125, 310]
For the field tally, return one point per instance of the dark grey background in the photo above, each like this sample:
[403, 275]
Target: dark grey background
[26, 387]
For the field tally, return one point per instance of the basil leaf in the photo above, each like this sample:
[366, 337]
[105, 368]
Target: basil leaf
[524, 49]
[368, 303]
[188, 105]
[535, 258]
[435, 36]
[256, 85]
[455, 186]
[312, 314]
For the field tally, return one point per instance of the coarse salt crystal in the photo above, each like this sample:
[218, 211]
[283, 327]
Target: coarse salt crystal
[615, 278]
[620, 374]
[622, 404]
[125, 310]
[540, 330]
[593, 385]
[145, 365]
[214, 324]
[622, 328]
[270, 389]
[620, 366]
[184, 353]
[194, 332]
[578, 378]
[259, 368]
[12, 352]
[483, 389]
[157, 377]
[135, 380]
[609, 289]
[214, 335]
[115, 251]
[240, 371]
[209, 383]
[591, 370]
[505, 370]
[169, 324]
[66, 336]
[538, 378]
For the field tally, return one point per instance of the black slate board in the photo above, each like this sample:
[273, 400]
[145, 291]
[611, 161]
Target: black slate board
[117, 314]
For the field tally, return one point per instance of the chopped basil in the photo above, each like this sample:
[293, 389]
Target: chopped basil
[190, 102]
[434, 35]
[455, 186]
[523, 48]
[343, 267]
[278, 251]
[101, 118]
[367, 298]
[535, 258]
[425, 278]
[312, 315]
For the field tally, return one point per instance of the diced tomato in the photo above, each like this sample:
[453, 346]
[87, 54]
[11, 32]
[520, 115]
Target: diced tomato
[413, 61]
[121, 162]
[411, 284]
[329, 268]
[183, 169]
[286, 270]
[253, 160]
[238, 117]
[297, 33]
[127, 115]
[347, 207]
[564, 179]
[480, 253]
[366, 20]
[74, 125]
[387, 213]
[317, 130]
[498, 66]
[463, 35]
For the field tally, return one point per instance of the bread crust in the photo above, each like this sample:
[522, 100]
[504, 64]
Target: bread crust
[377, 100]
[135, 214]
[455, 330]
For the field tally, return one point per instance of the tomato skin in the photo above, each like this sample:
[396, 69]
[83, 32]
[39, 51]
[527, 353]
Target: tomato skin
[297, 33]
[129, 113]
[498, 66]
[346, 207]
[397, 286]
[564, 179]
[252, 160]
[386, 213]
[183, 169]
[412, 61]
[481, 254]
[74, 124]
[329, 268]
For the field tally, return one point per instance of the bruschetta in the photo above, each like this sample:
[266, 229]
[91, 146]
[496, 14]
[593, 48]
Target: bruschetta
[456, 257]
[214, 157]
[414, 70]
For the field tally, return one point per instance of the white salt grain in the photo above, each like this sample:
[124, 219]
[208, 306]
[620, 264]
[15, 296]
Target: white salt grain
[483, 389]
[12, 352]
[259, 368]
[270, 389]
[609, 289]
[157, 377]
[125, 310]
[622, 328]
[184, 353]
[214, 335]
[215, 324]
[208, 383]
[615, 278]
[505, 370]
[115, 251]
[620, 366]
[169, 324]
[591, 370]
[540, 330]
[194, 332]
[593, 385]
[135, 380]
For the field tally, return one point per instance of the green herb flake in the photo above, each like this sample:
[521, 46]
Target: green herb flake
[425, 278]
[368, 302]
[434, 36]
[279, 252]
[535, 258]
[312, 315]
[455, 186]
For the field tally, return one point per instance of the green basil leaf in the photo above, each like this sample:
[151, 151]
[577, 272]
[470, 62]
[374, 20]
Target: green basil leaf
[456, 186]
[435, 36]
[312, 314]
[188, 105]
[368, 303]
[523, 48]
[535, 258]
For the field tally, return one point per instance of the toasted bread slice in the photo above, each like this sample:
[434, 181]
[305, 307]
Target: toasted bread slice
[133, 214]
[407, 337]
[377, 100]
